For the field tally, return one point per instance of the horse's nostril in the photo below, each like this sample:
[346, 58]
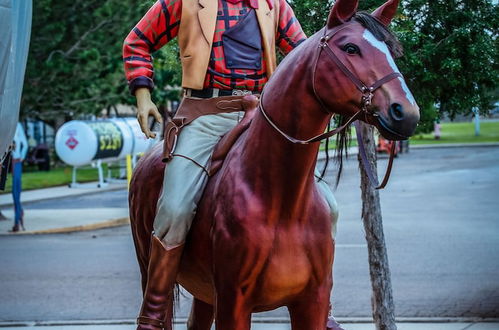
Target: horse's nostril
[396, 112]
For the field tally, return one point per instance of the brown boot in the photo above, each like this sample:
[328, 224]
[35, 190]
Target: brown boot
[21, 222]
[161, 276]
[14, 229]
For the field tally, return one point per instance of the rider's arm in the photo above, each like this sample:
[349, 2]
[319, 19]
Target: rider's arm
[289, 32]
[158, 26]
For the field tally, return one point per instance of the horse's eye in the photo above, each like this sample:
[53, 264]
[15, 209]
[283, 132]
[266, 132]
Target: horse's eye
[351, 49]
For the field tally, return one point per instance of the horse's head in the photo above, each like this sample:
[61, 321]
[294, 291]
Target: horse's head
[355, 70]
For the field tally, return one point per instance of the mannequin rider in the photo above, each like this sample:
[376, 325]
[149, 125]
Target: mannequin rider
[227, 48]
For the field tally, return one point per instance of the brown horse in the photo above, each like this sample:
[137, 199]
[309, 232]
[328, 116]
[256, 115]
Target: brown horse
[261, 238]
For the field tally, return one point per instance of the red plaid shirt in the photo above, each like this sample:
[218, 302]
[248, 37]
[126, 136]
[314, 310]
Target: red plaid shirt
[161, 24]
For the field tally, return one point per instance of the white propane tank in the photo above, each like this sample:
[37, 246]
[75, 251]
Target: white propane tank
[80, 142]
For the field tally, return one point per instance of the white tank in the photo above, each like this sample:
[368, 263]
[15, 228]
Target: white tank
[80, 142]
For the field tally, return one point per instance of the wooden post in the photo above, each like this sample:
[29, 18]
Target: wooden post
[383, 308]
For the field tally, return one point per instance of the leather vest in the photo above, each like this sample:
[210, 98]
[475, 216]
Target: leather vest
[195, 37]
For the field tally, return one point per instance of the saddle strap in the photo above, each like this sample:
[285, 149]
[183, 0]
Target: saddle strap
[193, 108]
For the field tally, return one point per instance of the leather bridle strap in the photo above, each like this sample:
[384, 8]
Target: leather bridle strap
[366, 99]
[367, 91]
[317, 138]
[367, 164]
[362, 150]
[356, 81]
[328, 134]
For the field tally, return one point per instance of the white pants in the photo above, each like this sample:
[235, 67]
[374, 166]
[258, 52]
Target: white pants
[184, 181]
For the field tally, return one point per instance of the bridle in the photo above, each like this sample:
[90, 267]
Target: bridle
[367, 93]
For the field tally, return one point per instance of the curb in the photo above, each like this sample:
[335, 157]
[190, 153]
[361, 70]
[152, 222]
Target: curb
[267, 320]
[83, 193]
[453, 145]
[64, 230]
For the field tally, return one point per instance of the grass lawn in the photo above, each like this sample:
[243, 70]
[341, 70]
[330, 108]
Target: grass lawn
[461, 133]
[450, 133]
[34, 179]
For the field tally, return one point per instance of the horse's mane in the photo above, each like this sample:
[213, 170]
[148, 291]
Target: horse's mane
[382, 33]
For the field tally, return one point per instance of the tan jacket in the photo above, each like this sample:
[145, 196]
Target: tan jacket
[195, 37]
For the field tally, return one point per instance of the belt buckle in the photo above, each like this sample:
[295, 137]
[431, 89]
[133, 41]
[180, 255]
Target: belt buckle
[240, 92]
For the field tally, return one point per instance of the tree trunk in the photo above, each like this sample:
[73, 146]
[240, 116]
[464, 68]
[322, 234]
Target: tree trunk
[383, 308]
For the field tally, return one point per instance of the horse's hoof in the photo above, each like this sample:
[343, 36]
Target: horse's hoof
[332, 324]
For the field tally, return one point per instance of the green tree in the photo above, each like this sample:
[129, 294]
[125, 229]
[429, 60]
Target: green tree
[311, 14]
[75, 62]
[167, 75]
[451, 53]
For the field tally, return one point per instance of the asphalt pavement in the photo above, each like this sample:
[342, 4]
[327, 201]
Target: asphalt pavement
[441, 223]
[283, 326]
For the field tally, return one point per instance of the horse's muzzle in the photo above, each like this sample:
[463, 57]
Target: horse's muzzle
[397, 124]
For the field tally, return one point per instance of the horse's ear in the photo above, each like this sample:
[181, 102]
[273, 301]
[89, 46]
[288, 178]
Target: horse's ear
[386, 12]
[342, 11]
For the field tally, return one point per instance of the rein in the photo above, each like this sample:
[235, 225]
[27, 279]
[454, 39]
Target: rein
[317, 138]
[367, 164]
[365, 102]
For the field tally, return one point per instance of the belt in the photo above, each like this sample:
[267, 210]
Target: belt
[192, 108]
[209, 93]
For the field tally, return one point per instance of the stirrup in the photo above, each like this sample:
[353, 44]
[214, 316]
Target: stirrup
[149, 321]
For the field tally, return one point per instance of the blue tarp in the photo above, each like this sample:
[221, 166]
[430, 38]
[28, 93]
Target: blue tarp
[15, 24]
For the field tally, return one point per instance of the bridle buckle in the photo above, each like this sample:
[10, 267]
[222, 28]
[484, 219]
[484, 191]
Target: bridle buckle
[367, 98]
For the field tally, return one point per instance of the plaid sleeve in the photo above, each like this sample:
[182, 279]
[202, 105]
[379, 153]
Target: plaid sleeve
[158, 26]
[289, 32]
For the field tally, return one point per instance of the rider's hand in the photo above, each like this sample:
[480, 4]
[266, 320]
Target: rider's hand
[146, 108]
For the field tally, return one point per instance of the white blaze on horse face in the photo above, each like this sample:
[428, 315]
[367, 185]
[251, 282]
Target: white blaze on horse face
[384, 49]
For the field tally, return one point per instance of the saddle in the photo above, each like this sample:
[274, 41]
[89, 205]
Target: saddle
[193, 108]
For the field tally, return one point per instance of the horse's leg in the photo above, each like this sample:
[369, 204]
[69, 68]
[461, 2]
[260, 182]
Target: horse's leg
[201, 317]
[231, 312]
[310, 313]
[169, 314]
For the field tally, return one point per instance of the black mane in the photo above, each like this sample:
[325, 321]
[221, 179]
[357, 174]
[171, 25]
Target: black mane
[381, 32]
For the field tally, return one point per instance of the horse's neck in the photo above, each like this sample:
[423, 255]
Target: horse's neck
[290, 103]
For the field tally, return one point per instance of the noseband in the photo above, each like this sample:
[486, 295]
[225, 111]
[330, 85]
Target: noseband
[367, 93]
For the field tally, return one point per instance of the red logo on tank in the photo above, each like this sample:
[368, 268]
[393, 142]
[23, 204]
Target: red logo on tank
[72, 142]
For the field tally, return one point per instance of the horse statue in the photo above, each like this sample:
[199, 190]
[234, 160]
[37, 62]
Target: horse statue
[262, 238]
